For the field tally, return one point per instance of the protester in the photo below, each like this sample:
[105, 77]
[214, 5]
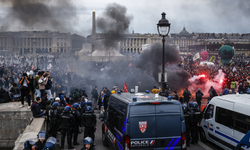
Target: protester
[36, 110]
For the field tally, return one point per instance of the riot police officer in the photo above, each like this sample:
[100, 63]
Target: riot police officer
[88, 144]
[41, 140]
[187, 114]
[50, 144]
[76, 125]
[195, 115]
[54, 117]
[67, 120]
[89, 121]
[29, 145]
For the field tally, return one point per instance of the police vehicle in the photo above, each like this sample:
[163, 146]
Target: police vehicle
[244, 142]
[143, 121]
[226, 120]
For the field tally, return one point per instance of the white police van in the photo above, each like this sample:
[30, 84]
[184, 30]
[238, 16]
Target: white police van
[226, 120]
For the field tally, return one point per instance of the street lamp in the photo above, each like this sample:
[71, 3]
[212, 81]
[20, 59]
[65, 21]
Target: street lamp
[163, 28]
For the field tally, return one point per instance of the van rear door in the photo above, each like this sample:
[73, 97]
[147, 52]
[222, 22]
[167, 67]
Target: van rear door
[142, 127]
[168, 126]
[157, 126]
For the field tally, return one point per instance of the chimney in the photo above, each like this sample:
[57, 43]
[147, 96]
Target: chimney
[93, 35]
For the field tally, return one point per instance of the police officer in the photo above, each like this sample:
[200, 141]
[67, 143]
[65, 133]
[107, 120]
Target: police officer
[54, 117]
[76, 125]
[88, 144]
[67, 120]
[60, 107]
[89, 121]
[187, 114]
[195, 118]
[41, 140]
[29, 145]
[50, 144]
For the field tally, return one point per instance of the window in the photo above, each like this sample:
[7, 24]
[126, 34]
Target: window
[223, 116]
[210, 111]
[241, 122]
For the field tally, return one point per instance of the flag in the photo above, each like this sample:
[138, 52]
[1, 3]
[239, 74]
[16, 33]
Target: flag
[33, 67]
[125, 88]
[196, 56]
[49, 66]
[234, 69]
[130, 64]
[212, 59]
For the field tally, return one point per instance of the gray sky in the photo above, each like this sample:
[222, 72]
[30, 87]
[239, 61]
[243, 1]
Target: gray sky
[214, 16]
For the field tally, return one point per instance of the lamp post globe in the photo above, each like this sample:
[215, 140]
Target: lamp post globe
[163, 28]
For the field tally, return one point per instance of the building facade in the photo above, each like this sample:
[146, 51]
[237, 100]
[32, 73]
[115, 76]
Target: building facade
[187, 42]
[42, 41]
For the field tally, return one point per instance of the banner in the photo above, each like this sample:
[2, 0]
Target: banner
[212, 59]
[196, 56]
[125, 88]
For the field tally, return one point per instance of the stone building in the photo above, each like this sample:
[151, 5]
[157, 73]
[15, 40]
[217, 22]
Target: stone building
[42, 41]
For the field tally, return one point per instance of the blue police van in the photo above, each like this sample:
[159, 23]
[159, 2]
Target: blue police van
[143, 121]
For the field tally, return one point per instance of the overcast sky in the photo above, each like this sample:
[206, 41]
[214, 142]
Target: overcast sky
[213, 16]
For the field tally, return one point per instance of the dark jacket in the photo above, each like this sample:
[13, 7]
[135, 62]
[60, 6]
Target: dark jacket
[66, 120]
[49, 84]
[106, 98]
[89, 120]
[36, 110]
[94, 94]
[15, 90]
[186, 94]
[40, 145]
[43, 103]
[4, 96]
[31, 84]
[199, 95]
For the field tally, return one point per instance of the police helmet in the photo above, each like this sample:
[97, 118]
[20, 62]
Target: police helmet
[89, 103]
[184, 107]
[28, 144]
[88, 140]
[57, 99]
[169, 97]
[193, 105]
[88, 109]
[55, 104]
[41, 135]
[67, 108]
[75, 105]
[50, 144]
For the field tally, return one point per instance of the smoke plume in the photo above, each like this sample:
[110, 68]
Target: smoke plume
[151, 61]
[113, 24]
[42, 15]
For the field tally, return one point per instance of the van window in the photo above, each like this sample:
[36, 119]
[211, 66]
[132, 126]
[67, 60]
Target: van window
[116, 118]
[166, 108]
[210, 111]
[241, 122]
[142, 109]
[223, 116]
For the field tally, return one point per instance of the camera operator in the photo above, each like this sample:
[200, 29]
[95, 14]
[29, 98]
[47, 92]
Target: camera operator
[43, 79]
[49, 85]
[24, 81]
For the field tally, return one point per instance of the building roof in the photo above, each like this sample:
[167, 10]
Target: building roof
[184, 32]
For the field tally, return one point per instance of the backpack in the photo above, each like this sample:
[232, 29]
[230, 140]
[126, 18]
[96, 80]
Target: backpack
[226, 91]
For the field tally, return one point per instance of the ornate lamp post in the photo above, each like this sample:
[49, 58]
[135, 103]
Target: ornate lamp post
[163, 28]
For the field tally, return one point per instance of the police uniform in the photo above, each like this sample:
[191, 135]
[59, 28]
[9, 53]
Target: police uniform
[54, 117]
[188, 122]
[76, 125]
[67, 120]
[89, 121]
[194, 127]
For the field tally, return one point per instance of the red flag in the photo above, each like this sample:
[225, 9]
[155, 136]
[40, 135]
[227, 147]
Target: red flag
[125, 88]
[33, 67]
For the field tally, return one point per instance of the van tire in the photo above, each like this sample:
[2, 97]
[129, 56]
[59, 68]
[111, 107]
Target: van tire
[104, 142]
[202, 135]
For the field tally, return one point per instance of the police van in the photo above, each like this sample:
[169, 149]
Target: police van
[226, 120]
[143, 121]
[244, 142]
